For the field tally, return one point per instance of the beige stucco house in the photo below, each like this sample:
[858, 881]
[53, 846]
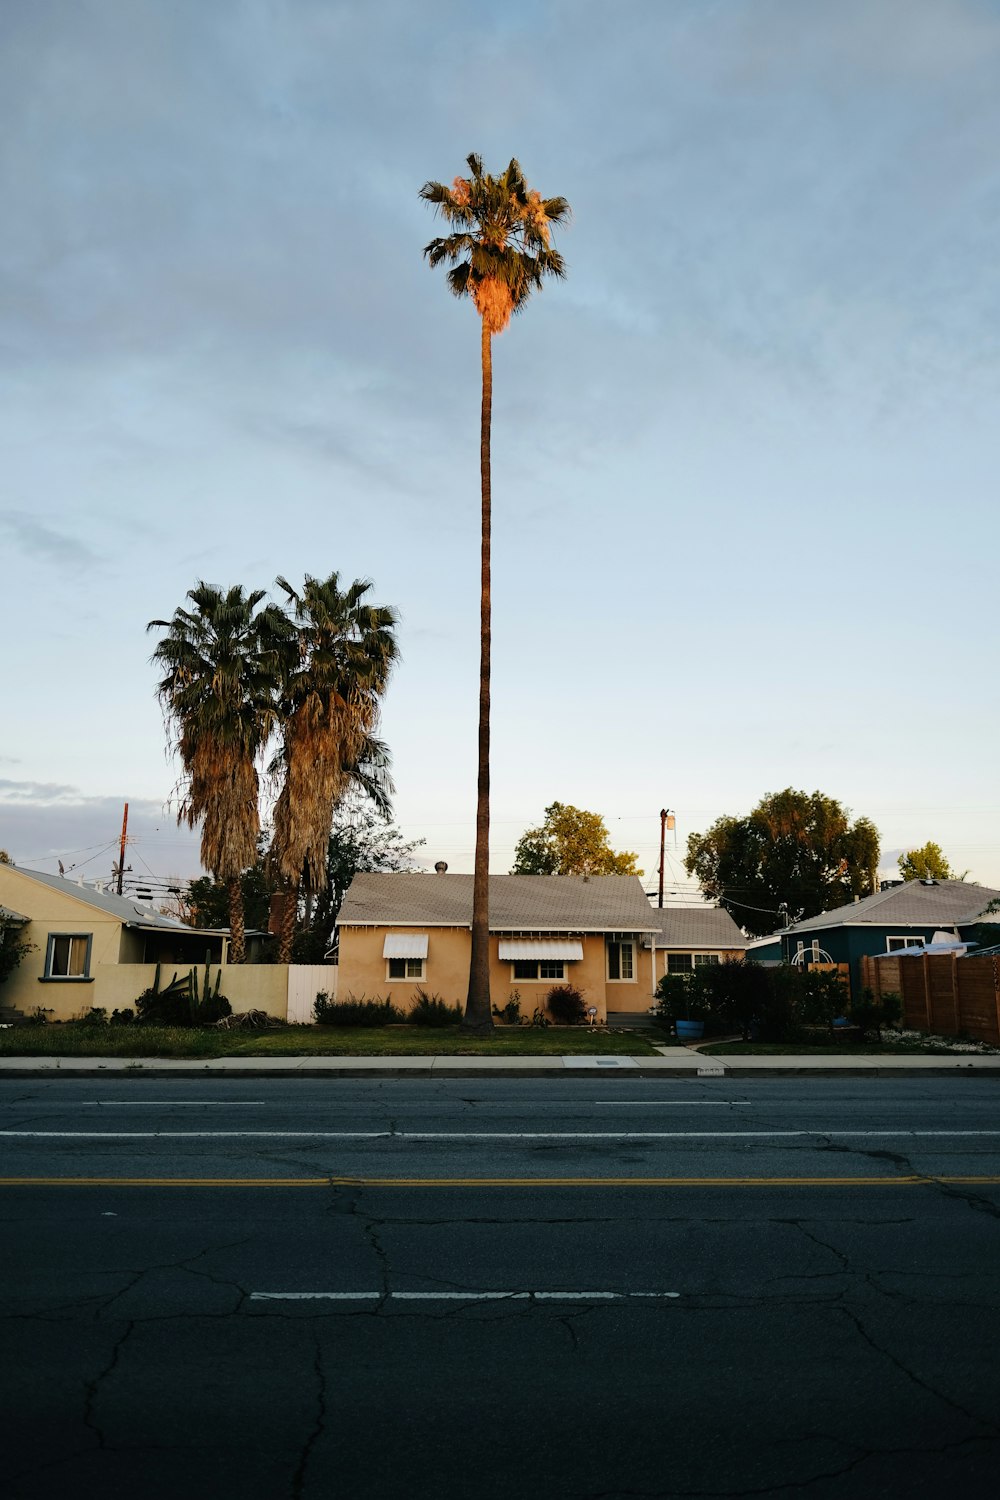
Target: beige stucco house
[399, 933]
[94, 948]
[692, 936]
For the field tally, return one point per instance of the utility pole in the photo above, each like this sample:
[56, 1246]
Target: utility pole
[666, 821]
[121, 855]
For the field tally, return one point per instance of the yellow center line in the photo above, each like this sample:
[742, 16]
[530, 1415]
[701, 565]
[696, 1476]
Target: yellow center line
[495, 1182]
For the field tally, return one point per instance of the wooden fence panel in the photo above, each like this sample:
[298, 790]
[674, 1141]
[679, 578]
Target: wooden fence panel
[943, 1013]
[915, 992]
[978, 1014]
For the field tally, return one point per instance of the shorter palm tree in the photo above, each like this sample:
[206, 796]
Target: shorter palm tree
[336, 653]
[220, 673]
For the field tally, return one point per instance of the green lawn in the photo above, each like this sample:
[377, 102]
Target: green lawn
[314, 1041]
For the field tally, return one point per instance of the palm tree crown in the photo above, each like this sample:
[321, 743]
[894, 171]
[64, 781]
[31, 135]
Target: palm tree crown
[500, 249]
[217, 694]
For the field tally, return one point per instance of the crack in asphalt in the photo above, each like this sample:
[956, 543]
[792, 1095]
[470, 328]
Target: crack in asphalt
[864, 1455]
[855, 1319]
[92, 1388]
[315, 1433]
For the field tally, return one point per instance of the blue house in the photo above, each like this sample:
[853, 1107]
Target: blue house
[898, 917]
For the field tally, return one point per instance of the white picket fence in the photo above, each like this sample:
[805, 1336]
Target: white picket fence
[305, 982]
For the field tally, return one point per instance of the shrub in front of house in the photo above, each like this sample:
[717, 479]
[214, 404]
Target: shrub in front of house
[735, 996]
[822, 999]
[564, 1003]
[431, 1010]
[356, 1012]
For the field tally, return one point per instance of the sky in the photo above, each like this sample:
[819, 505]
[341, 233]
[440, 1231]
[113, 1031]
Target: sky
[745, 457]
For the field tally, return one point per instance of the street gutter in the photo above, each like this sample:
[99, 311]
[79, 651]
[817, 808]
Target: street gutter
[677, 1062]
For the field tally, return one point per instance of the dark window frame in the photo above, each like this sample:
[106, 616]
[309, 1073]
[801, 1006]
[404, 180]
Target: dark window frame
[50, 942]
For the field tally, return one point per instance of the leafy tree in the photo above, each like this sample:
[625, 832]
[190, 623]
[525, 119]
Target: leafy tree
[795, 855]
[570, 842]
[361, 839]
[13, 946]
[927, 863]
[336, 652]
[217, 694]
[499, 251]
[207, 901]
[5, 858]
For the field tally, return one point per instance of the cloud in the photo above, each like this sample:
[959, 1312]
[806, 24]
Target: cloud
[43, 822]
[46, 542]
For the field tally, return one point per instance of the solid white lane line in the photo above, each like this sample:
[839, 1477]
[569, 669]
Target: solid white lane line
[315, 1296]
[456, 1296]
[495, 1135]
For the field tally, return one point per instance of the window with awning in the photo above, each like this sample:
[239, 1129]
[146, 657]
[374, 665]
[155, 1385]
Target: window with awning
[540, 958]
[405, 945]
[405, 954]
[570, 950]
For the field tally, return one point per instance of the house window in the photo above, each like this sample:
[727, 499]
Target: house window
[893, 944]
[405, 968]
[67, 955]
[621, 963]
[703, 960]
[679, 963]
[544, 968]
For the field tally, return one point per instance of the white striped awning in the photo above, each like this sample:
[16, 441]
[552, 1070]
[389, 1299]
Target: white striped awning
[566, 948]
[405, 945]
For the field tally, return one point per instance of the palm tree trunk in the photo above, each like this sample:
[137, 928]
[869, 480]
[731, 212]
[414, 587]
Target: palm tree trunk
[478, 1015]
[237, 932]
[289, 912]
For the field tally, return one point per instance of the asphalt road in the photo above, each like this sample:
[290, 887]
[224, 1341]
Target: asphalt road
[594, 1287]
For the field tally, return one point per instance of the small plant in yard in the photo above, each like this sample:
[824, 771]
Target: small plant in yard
[95, 1016]
[539, 1018]
[871, 1015]
[510, 1014]
[565, 1005]
[681, 997]
[431, 1010]
[183, 1002]
[824, 998]
[354, 1012]
[122, 1017]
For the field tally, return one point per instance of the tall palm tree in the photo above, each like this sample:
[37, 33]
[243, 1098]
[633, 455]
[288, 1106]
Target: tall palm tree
[337, 652]
[217, 694]
[499, 251]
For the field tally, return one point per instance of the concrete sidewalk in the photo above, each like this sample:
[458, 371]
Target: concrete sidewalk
[677, 1062]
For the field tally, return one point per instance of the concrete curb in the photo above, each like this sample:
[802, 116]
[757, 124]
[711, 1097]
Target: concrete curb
[677, 1062]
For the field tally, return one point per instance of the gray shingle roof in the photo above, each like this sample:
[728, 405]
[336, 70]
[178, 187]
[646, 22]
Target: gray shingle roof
[518, 903]
[123, 907]
[910, 905]
[697, 927]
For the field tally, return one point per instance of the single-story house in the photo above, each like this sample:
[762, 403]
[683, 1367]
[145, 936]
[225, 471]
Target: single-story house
[690, 937]
[901, 916]
[93, 948]
[400, 933]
